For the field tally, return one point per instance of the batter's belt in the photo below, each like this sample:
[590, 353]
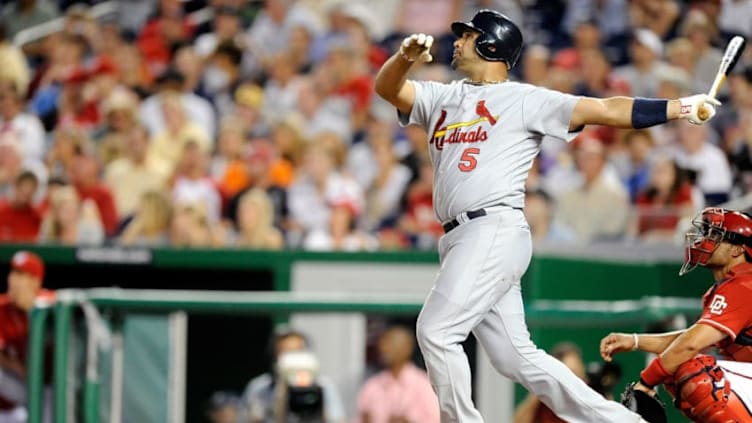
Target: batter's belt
[472, 214]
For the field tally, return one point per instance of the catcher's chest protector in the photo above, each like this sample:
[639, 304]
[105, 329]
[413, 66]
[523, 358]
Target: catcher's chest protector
[704, 395]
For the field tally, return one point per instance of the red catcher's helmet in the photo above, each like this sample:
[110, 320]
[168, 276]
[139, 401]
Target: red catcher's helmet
[711, 227]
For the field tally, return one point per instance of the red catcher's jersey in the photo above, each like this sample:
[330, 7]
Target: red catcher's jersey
[727, 306]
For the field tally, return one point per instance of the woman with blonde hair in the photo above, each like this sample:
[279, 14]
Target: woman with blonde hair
[255, 222]
[69, 221]
[151, 223]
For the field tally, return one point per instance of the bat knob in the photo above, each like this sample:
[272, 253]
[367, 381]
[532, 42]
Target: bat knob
[703, 113]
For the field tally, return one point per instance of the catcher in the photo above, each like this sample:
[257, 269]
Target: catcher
[705, 390]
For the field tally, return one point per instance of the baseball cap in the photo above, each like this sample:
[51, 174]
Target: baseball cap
[28, 262]
[650, 40]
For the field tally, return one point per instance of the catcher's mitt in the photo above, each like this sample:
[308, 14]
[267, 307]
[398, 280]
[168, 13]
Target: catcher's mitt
[649, 407]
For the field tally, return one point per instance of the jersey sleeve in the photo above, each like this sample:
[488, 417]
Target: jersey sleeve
[728, 309]
[426, 93]
[548, 112]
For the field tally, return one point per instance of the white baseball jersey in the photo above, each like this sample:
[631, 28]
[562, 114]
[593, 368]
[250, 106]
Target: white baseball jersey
[483, 139]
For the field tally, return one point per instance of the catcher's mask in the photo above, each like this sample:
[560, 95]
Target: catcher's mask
[711, 227]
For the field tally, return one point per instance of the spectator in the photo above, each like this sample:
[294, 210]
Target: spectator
[698, 29]
[260, 166]
[222, 75]
[347, 66]
[419, 222]
[735, 17]
[27, 127]
[168, 144]
[85, 177]
[612, 16]
[645, 51]
[22, 14]
[317, 188]
[70, 221]
[227, 26]
[150, 225]
[261, 393]
[586, 36]
[14, 69]
[697, 153]
[134, 71]
[324, 112]
[597, 78]
[190, 65]
[19, 219]
[384, 193]
[228, 167]
[535, 64]
[401, 392]
[639, 144]
[270, 32]
[172, 88]
[741, 158]
[11, 165]
[169, 27]
[225, 407]
[539, 212]
[532, 410]
[663, 204]
[598, 209]
[284, 85]
[249, 101]
[120, 109]
[658, 16]
[193, 185]
[256, 222]
[25, 282]
[342, 233]
[68, 144]
[190, 227]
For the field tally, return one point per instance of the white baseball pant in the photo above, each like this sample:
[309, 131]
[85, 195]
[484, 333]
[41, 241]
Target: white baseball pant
[478, 289]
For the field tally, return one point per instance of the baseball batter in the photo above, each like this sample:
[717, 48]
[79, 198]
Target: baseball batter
[483, 134]
[707, 391]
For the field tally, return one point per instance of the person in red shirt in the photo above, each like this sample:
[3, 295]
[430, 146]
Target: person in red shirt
[19, 219]
[24, 288]
[707, 391]
[85, 177]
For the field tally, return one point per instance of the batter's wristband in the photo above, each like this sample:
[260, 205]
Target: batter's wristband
[654, 374]
[648, 112]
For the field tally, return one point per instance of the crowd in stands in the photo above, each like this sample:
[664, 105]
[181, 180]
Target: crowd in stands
[259, 128]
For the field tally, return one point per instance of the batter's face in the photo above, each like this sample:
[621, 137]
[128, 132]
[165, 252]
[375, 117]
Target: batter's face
[464, 51]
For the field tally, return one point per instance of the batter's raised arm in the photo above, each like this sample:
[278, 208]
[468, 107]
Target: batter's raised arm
[391, 81]
[628, 112]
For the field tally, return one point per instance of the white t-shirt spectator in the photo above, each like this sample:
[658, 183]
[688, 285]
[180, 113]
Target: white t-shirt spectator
[198, 191]
[311, 209]
[198, 110]
[28, 130]
[712, 167]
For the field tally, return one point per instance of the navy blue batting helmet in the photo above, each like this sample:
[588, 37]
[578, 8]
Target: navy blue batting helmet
[500, 40]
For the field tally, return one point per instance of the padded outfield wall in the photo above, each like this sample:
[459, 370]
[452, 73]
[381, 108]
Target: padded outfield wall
[603, 273]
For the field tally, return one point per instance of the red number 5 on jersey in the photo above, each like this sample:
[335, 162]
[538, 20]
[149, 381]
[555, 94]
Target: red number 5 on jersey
[468, 160]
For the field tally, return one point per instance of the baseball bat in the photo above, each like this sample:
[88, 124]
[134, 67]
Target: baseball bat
[734, 50]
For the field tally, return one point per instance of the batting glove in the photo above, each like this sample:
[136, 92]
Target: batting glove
[417, 47]
[698, 108]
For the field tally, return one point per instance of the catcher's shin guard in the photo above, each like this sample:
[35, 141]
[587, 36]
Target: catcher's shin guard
[703, 394]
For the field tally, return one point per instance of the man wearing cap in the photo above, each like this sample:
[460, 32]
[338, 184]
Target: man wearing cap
[24, 287]
[645, 53]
